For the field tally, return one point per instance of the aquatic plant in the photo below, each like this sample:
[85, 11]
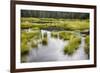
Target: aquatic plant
[44, 23]
[24, 48]
[87, 44]
[27, 37]
[54, 34]
[72, 45]
[66, 35]
[34, 44]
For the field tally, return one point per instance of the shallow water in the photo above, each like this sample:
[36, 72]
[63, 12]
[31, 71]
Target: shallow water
[54, 51]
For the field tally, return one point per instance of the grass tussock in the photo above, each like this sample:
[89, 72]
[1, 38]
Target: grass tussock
[72, 45]
[66, 35]
[54, 34]
[27, 37]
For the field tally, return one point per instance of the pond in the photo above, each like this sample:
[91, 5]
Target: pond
[54, 50]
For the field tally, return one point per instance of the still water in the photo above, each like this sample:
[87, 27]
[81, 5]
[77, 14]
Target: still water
[54, 51]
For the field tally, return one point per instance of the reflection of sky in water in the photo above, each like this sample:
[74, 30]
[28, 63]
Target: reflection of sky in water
[54, 51]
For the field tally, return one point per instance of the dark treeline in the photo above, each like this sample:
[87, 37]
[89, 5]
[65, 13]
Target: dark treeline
[54, 14]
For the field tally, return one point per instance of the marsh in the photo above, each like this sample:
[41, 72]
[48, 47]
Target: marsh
[57, 36]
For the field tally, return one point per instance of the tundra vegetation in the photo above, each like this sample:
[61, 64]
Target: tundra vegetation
[61, 24]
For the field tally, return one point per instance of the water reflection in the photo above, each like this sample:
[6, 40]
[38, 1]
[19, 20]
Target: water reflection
[54, 50]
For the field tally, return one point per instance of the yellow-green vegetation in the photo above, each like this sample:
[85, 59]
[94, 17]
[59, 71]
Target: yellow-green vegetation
[72, 46]
[32, 20]
[66, 35]
[77, 24]
[24, 48]
[64, 27]
[67, 24]
[34, 44]
[87, 44]
[54, 34]
[27, 37]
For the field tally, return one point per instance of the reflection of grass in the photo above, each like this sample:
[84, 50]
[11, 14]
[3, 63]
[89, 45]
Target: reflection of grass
[72, 45]
[44, 41]
[87, 44]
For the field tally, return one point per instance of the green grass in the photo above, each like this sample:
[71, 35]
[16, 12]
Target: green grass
[45, 35]
[24, 48]
[87, 44]
[72, 45]
[67, 24]
[27, 37]
[54, 34]
[66, 35]
[26, 25]
[34, 44]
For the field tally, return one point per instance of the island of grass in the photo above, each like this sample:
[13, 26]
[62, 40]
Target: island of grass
[27, 39]
[72, 46]
[74, 42]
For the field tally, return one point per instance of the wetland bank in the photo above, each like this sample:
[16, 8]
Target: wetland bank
[54, 36]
